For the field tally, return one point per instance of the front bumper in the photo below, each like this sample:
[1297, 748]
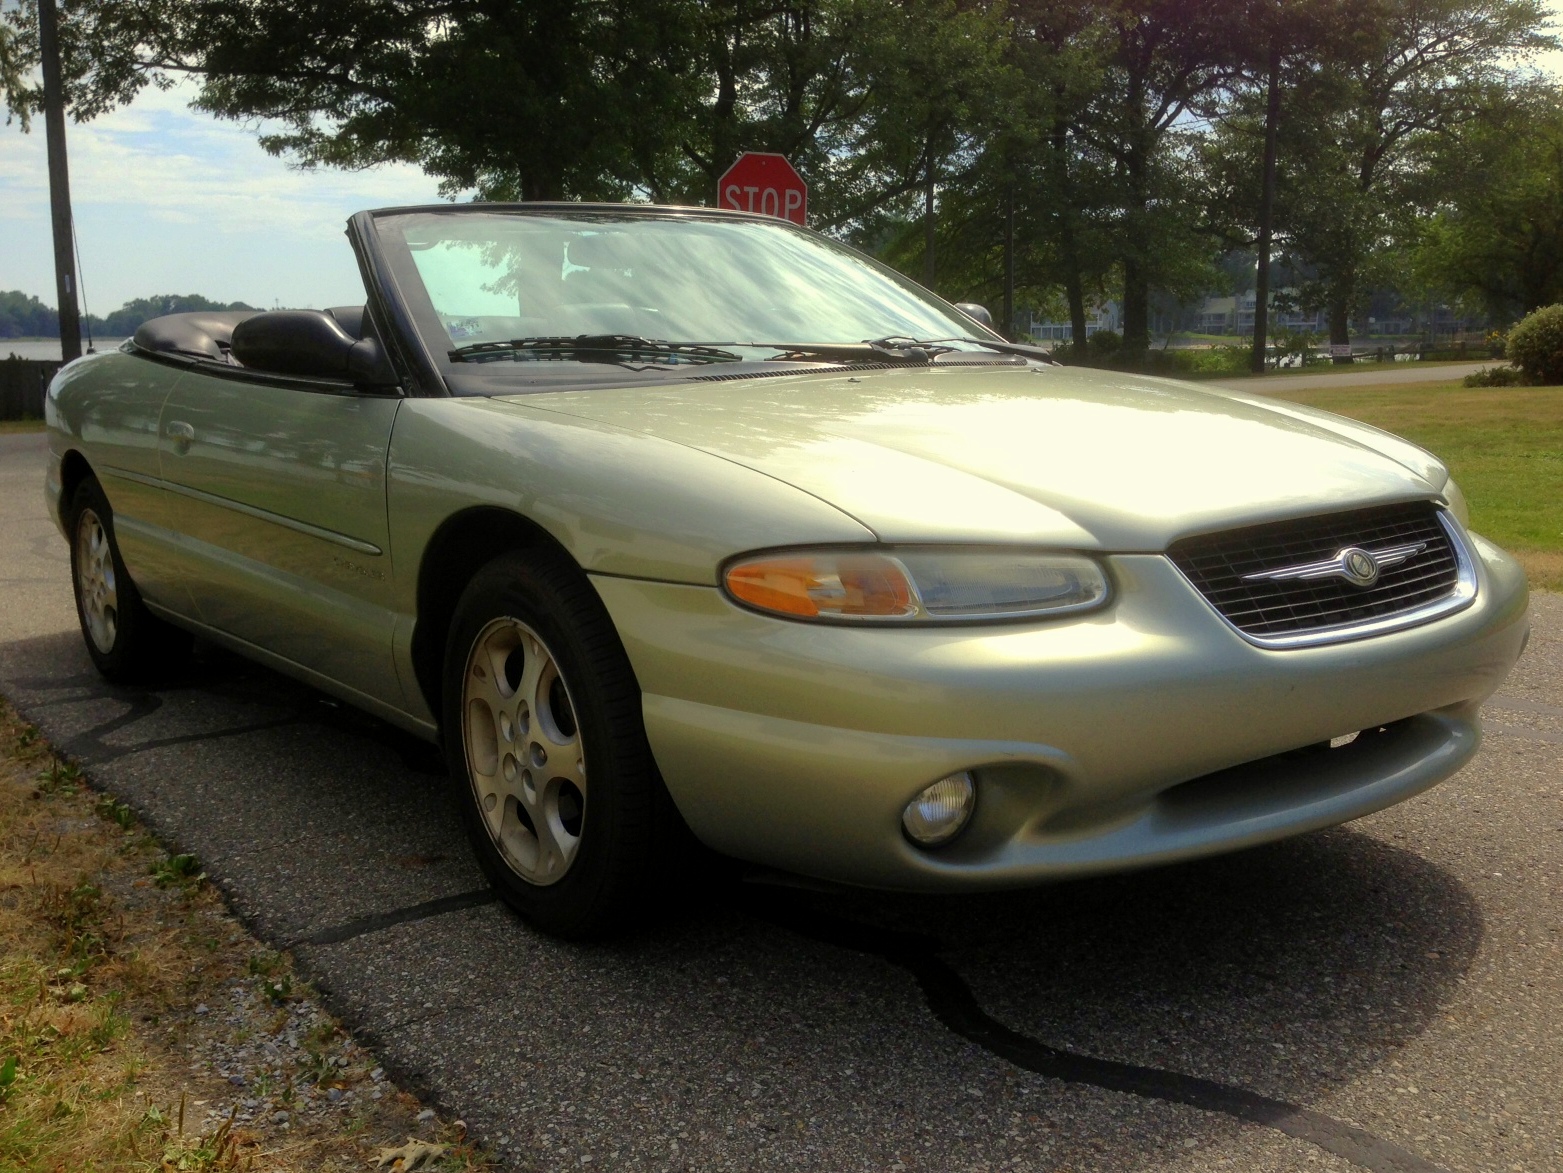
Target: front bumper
[1142, 734]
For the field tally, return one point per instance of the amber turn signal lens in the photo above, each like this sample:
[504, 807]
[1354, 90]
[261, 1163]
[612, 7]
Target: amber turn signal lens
[825, 585]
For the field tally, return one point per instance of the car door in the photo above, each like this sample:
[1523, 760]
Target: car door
[282, 504]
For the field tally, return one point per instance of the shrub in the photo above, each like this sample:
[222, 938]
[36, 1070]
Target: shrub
[1495, 377]
[1536, 346]
[1204, 360]
[1104, 345]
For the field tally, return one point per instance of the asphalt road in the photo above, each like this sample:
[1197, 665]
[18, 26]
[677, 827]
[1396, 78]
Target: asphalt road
[1385, 995]
[1357, 375]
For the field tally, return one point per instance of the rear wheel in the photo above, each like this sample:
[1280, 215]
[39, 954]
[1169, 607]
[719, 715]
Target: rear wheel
[546, 748]
[127, 643]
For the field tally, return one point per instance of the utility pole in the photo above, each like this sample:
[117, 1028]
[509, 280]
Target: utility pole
[59, 181]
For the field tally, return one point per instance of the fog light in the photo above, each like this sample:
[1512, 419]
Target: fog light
[938, 814]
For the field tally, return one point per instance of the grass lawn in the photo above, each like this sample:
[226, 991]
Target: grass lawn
[111, 951]
[11, 427]
[1504, 446]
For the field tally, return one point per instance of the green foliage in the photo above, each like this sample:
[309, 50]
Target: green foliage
[59, 777]
[1298, 344]
[1203, 361]
[1495, 377]
[22, 316]
[115, 812]
[1122, 139]
[1536, 346]
[1497, 239]
[177, 870]
[1103, 346]
[1362, 122]
[128, 318]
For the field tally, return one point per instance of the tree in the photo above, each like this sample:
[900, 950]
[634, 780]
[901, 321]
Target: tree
[1161, 58]
[542, 99]
[933, 77]
[1283, 44]
[1358, 146]
[1496, 240]
[1069, 183]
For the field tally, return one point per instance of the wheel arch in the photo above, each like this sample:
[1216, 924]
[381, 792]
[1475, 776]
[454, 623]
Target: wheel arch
[74, 469]
[463, 544]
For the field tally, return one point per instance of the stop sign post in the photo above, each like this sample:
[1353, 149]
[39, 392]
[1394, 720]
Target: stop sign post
[764, 183]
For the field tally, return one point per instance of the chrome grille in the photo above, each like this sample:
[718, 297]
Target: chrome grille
[1217, 563]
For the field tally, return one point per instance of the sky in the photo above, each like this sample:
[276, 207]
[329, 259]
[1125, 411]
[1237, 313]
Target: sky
[168, 200]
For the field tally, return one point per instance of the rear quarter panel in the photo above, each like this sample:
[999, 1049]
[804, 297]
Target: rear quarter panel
[106, 408]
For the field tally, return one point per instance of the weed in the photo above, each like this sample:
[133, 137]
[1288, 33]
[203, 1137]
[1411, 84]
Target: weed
[59, 777]
[7, 1077]
[278, 989]
[115, 812]
[200, 1154]
[181, 870]
[264, 964]
[315, 1066]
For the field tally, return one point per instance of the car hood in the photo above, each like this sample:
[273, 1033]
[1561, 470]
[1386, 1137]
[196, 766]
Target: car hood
[1055, 456]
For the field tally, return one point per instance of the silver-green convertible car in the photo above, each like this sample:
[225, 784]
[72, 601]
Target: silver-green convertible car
[667, 520]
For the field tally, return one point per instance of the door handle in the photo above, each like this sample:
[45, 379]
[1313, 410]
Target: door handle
[182, 435]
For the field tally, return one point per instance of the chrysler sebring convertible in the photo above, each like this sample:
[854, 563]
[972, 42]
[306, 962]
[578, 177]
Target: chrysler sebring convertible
[665, 521]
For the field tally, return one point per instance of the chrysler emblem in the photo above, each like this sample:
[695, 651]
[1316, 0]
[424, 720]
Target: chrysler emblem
[1357, 566]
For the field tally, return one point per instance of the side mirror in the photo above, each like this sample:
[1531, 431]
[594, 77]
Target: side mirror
[972, 310]
[312, 344]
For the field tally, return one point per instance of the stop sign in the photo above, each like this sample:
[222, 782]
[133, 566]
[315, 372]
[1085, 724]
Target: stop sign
[764, 183]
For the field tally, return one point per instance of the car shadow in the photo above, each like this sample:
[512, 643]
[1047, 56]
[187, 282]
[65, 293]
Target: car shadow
[1276, 968]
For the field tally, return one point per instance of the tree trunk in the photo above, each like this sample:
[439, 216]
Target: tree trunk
[929, 268]
[1007, 324]
[1340, 324]
[1136, 281]
[1136, 311]
[1068, 246]
[1075, 292]
[1266, 214]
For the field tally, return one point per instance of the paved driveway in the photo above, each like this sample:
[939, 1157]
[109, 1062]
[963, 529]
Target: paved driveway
[1384, 996]
[1356, 375]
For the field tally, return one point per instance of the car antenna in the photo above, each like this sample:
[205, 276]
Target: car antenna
[81, 287]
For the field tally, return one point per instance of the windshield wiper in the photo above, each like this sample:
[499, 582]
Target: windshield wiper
[606, 348]
[1022, 349]
[900, 351]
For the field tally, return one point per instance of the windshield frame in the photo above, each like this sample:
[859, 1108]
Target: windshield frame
[389, 264]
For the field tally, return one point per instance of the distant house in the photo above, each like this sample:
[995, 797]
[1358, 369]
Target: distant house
[1098, 317]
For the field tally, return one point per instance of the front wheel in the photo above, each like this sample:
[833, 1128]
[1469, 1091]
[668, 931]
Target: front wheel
[546, 748]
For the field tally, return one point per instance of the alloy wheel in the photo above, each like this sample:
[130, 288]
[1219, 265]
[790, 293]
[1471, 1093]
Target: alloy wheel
[95, 581]
[523, 750]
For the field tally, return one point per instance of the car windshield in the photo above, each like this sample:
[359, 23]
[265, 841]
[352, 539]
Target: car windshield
[496, 277]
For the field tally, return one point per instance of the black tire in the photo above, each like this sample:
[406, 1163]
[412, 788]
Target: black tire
[127, 643]
[619, 806]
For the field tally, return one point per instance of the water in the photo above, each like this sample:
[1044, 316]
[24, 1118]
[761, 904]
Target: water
[48, 348]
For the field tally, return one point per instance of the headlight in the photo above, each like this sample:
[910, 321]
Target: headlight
[915, 584]
[1457, 505]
